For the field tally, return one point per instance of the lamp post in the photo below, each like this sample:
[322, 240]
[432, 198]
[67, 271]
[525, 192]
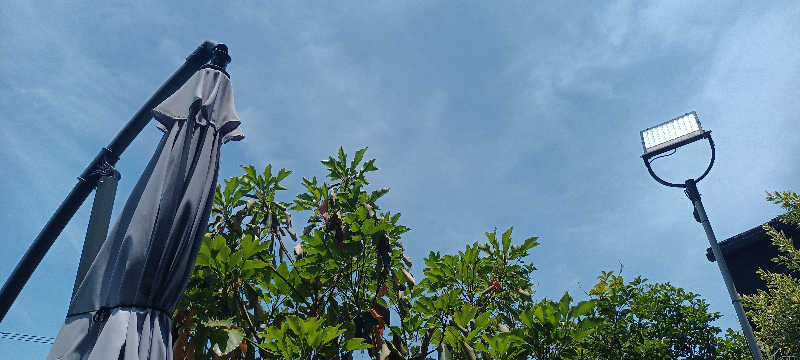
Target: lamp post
[669, 136]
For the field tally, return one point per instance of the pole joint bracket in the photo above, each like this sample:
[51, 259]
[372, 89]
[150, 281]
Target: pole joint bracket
[691, 190]
[102, 165]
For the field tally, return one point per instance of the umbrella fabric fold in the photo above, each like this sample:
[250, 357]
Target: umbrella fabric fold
[122, 307]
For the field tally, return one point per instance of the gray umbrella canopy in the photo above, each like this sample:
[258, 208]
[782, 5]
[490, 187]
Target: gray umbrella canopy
[121, 307]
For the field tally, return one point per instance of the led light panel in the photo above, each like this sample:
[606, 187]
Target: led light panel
[671, 132]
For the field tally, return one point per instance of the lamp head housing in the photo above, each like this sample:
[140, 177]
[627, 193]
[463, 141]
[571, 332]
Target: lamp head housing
[672, 134]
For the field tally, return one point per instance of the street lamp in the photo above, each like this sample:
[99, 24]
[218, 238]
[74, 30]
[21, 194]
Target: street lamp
[669, 136]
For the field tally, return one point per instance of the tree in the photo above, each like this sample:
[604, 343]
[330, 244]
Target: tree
[472, 294]
[249, 297]
[478, 304]
[556, 330]
[776, 310]
[641, 320]
[261, 291]
[733, 346]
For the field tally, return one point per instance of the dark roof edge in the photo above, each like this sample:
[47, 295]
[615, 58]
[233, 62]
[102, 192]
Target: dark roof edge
[743, 239]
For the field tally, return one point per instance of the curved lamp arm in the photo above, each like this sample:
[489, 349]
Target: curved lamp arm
[708, 169]
[713, 156]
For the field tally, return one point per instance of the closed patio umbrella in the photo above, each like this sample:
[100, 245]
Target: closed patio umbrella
[121, 307]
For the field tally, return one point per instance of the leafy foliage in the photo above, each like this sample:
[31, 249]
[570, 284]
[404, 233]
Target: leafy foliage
[641, 320]
[251, 297]
[556, 330]
[776, 310]
[733, 346]
[466, 298]
[261, 291]
[298, 338]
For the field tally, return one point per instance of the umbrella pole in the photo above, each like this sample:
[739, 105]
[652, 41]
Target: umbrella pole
[105, 159]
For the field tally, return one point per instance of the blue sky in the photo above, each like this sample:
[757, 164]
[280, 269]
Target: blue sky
[480, 114]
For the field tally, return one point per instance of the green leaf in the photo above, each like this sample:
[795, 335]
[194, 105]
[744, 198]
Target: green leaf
[282, 175]
[466, 314]
[330, 333]
[330, 163]
[507, 239]
[530, 243]
[482, 321]
[377, 194]
[311, 334]
[230, 187]
[251, 172]
[309, 326]
[267, 174]
[492, 237]
[234, 338]
[235, 260]
[527, 317]
[368, 227]
[585, 328]
[362, 212]
[356, 344]
[293, 323]
[359, 156]
[253, 265]
[219, 254]
[539, 312]
[583, 308]
[250, 246]
[369, 166]
[204, 254]
[563, 304]
[342, 156]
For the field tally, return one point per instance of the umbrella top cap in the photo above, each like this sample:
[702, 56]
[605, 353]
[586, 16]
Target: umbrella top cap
[220, 56]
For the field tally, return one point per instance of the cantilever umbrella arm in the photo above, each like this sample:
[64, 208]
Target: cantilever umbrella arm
[102, 163]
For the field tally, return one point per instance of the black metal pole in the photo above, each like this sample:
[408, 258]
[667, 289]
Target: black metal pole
[702, 217]
[107, 157]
